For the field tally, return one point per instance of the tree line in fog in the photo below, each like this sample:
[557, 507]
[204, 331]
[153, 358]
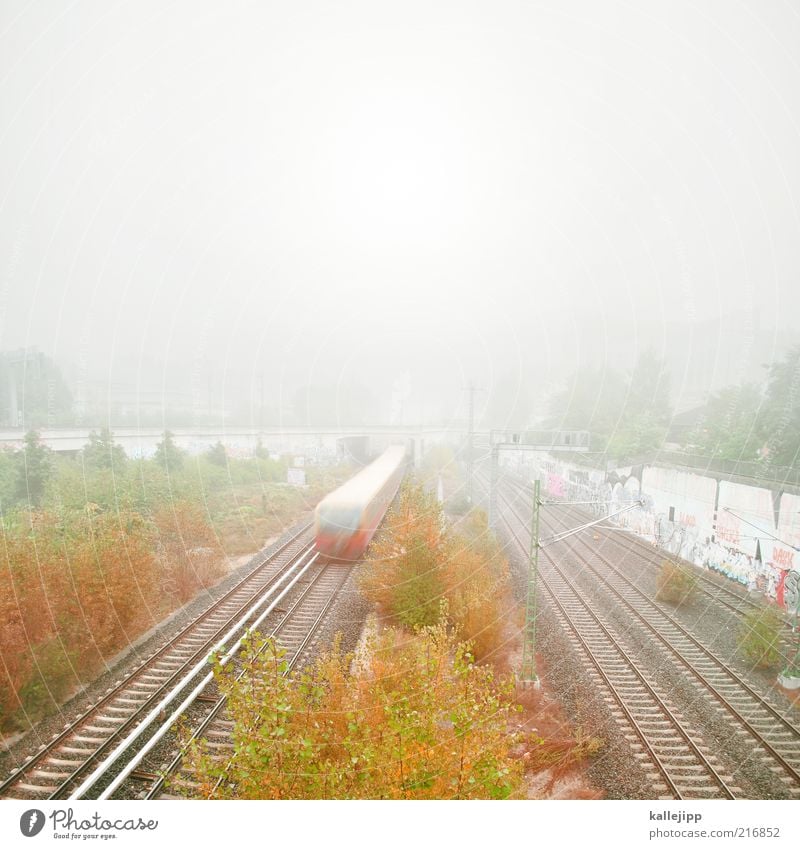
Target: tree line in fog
[630, 415]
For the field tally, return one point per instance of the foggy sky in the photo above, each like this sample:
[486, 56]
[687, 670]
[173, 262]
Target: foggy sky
[406, 196]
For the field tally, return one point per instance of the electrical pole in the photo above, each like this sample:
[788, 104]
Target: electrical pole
[571, 441]
[470, 441]
[529, 675]
[261, 402]
[493, 483]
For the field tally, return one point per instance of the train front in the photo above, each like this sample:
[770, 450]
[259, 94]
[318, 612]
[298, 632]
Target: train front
[337, 528]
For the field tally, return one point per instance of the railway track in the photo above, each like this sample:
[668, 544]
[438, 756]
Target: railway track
[622, 540]
[726, 597]
[296, 632]
[775, 735]
[136, 706]
[772, 738]
[676, 759]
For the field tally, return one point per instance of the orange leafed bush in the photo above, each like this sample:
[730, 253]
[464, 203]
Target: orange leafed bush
[675, 583]
[415, 719]
[188, 548]
[416, 561]
[478, 584]
[402, 575]
[75, 591]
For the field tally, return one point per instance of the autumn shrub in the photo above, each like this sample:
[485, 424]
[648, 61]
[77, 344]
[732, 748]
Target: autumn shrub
[403, 573]
[51, 676]
[24, 620]
[188, 548]
[112, 552]
[73, 593]
[478, 586]
[415, 718]
[675, 584]
[760, 636]
[417, 560]
[258, 470]
[77, 587]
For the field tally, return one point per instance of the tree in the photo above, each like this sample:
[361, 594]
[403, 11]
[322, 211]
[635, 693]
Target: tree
[625, 417]
[402, 574]
[217, 454]
[637, 435]
[782, 411]
[37, 389]
[417, 561]
[168, 454]
[102, 452]
[415, 718]
[34, 471]
[8, 479]
[591, 400]
[645, 414]
[731, 427]
[648, 389]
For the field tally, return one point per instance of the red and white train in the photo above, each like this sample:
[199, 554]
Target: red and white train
[346, 519]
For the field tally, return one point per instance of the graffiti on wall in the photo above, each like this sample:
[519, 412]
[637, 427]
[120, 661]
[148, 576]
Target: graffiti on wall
[718, 525]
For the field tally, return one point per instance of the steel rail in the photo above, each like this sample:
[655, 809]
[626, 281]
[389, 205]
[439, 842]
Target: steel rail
[121, 686]
[722, 700]
[704, 679]
[639, 546]
[662, 768]
[154, 714]
[741, 605]
[172, 767]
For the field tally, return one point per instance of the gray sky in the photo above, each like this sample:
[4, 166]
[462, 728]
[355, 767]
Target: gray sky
[406, 195]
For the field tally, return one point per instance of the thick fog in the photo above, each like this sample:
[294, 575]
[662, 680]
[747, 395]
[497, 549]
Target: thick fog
[386, 201]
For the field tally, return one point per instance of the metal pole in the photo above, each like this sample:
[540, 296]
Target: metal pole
[528, 673]
[493, 486]
[261, 403]
[470, 441]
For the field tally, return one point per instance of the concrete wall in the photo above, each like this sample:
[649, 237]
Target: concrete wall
[715, 524]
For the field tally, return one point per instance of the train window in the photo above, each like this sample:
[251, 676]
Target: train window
[337, 518]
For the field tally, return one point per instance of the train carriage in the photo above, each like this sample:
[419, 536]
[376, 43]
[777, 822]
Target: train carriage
[346, 519]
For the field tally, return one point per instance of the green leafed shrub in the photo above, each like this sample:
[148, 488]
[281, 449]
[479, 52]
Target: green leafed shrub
[759, 637]
[415, 718]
